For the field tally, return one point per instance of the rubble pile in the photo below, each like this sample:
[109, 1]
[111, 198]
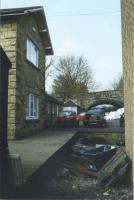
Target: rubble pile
[91, 171]
[82, 187]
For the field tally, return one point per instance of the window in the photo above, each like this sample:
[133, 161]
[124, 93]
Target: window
[57, 110]
[32, 106]
[49, 108]
[53, 111]
[32, 52]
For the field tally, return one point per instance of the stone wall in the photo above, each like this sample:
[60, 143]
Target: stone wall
[8, 32]
[29, 78]
[127, 14]
[23, 77]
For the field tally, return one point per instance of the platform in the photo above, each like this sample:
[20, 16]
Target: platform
[37, 149]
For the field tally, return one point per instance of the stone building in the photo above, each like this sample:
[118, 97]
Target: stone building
[54, 107]
[24, 36]
[127, 14]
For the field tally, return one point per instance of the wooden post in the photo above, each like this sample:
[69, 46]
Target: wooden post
[5, 64]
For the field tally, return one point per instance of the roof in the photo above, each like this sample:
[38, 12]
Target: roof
[70, 103]
[36, 11]
[53, 99]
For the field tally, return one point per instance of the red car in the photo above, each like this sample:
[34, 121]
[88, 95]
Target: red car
[81, 116]
[66, 118]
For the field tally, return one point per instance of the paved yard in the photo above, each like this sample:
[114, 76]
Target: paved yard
[35, 150]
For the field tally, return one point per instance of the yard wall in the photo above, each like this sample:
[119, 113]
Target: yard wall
[127, 14]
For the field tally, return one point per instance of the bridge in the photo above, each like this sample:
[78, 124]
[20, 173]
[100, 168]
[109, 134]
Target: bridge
[112, 97]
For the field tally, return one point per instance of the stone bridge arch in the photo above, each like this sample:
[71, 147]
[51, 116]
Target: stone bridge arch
[112, 97]
[116, 103]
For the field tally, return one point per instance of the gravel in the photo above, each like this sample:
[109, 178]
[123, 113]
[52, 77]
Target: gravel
[65, 185]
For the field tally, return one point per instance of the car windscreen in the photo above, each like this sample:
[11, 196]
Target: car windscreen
[95, 111]
[65, 113]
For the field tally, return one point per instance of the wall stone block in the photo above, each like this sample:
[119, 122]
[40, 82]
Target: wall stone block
[10, 34]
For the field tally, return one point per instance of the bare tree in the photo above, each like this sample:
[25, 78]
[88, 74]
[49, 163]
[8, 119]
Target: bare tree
[48, 67]
[118, 84]
[74, 79]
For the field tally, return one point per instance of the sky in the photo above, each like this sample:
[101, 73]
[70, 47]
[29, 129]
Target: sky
[91, 28]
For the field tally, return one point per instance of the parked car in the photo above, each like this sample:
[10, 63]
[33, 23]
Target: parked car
[122, 120]
[95, 116]
[81, 116]
[66, 118]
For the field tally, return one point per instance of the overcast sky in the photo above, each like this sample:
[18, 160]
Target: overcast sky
[91, 28]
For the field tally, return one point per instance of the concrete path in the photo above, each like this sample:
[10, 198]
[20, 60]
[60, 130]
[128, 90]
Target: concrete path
[37, 149]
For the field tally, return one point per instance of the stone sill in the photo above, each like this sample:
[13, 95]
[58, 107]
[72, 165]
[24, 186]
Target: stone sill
[32, 120]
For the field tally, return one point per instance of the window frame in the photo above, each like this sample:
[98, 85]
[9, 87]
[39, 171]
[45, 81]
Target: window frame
[30, 48]
[57, 109]
[31, 108]
[49, 108]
